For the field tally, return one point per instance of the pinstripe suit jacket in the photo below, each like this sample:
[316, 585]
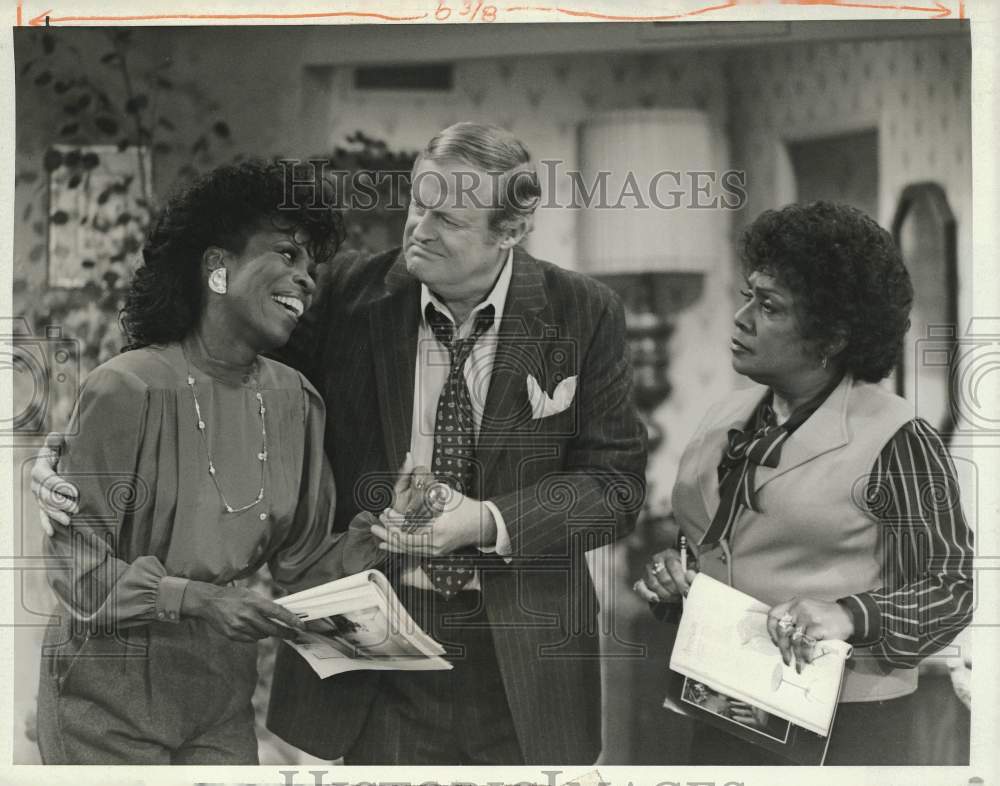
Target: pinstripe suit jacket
[565, 484]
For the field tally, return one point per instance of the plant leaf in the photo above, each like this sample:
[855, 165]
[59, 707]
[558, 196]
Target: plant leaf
[36, 252]
[69, 129]
[43, 78]
[53, 160]
[136, 104]
[110, 58]
[106, 125]
[221, 130]
[60, 217]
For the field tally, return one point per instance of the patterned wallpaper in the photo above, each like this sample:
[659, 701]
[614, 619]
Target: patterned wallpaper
[542, 100]
[914, 92]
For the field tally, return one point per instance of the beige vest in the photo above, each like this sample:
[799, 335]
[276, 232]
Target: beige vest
[814, 536]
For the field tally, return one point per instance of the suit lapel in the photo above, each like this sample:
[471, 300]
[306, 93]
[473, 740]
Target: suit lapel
[825, 430]
[507, 401]
[394, 323]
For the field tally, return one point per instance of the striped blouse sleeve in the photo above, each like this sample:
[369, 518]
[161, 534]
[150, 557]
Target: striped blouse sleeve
[927, 547]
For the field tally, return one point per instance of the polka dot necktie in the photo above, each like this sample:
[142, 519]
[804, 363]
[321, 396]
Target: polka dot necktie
[454, 439]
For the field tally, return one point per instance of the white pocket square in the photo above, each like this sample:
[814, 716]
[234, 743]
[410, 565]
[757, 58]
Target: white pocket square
[542, 406]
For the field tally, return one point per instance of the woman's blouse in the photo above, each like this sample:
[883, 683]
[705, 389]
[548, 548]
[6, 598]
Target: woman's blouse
[927, 597]
[151, 516]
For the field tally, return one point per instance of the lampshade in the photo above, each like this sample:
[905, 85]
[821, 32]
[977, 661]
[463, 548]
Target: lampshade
[662, 181]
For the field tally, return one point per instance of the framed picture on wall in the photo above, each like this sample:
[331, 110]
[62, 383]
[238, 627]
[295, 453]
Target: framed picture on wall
[99, 210]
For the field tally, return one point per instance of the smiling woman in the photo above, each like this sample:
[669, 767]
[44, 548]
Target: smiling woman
[196, 461]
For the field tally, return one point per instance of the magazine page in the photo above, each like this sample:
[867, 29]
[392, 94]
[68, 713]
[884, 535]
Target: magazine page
[358, 623]
[694, 699]
[722, 642]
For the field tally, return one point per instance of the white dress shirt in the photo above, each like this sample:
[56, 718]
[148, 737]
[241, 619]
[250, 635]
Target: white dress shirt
[431, 373]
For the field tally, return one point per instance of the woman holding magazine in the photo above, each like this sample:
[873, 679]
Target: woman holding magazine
[195, 461]
[817, 491]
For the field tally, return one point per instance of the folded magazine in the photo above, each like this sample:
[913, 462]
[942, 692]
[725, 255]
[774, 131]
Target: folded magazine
[357, 622]
[731, 675]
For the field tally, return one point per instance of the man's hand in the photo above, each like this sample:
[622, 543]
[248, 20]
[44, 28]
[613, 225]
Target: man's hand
[57, 498]
[237, 613]
[797, 624]
[404, 491]
[464, 521]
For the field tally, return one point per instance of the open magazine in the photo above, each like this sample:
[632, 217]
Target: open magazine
[732, 675]
[357, 622]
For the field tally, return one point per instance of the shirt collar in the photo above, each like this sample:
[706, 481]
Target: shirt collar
[765, 416]
[497, 296]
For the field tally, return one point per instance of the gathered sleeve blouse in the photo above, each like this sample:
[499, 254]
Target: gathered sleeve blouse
[151, 516]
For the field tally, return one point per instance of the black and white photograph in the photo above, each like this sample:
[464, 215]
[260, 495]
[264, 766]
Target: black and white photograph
[611, 302]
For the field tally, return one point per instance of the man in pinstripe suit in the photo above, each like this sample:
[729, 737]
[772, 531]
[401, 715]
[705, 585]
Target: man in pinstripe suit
[556, 469]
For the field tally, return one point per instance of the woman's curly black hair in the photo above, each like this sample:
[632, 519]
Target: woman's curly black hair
[846, 275]
[223, 208]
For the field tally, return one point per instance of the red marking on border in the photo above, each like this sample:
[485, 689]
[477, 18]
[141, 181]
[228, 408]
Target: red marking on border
[629, 18]
[938, 9]
[40, 19]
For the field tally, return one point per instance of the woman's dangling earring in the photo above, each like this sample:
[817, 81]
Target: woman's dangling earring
[823, 361]
[217, 281]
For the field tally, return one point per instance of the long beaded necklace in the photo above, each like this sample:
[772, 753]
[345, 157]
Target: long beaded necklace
[261, 457]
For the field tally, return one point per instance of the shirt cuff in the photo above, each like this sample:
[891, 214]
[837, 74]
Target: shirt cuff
[502, 547]
[867, 619]
[169, 596]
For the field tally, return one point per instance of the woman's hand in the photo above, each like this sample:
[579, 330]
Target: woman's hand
[57, 498]
[666, 580]
[797, 624]
[239, 614]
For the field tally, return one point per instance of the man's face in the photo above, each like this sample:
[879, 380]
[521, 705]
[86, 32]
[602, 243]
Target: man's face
[447, 243]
